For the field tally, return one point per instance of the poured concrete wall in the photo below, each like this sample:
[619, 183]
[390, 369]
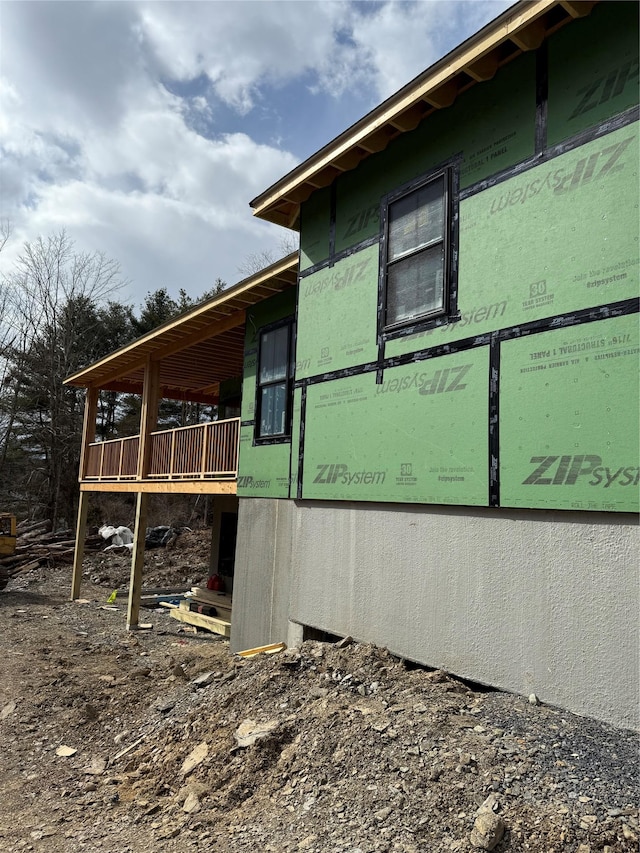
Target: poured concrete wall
[262, 573]
[526, 601]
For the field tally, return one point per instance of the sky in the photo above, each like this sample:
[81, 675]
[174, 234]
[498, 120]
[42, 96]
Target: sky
[145, 128]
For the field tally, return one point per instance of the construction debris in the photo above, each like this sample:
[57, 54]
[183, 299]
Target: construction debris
[199, 620]
[203, 608]
[38, 547]
[271, 649]
[116, 535]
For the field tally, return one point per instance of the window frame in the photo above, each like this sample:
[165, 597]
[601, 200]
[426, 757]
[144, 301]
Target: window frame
[449, 240]
[285, 436]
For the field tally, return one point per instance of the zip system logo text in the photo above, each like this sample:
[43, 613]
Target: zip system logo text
[340, 473]
[568, 470]
[559, 180]
[251, 483]
[439, 382]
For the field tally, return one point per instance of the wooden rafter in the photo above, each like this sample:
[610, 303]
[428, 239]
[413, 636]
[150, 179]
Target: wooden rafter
[578, 8]
[202, 346]
[529, 37]
[521, 28]
[409, 119]
[443, 96]
[483, 68]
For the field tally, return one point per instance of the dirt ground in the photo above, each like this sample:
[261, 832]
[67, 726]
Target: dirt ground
[163, 740]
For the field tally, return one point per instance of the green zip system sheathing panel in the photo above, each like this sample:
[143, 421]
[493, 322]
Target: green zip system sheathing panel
[337, 315]
[491, 127]
[569, 423]
[421, 436]
[314, 229]
[295, 442]
[557, 238]
[264, 469]
[593, 69]
[270, 311]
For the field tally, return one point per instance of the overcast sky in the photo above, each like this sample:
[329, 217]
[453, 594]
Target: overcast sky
[145, 128]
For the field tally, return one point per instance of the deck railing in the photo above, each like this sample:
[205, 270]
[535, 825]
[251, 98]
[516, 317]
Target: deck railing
[200, 452]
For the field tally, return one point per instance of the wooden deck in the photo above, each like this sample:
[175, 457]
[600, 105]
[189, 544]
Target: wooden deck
[199, 458]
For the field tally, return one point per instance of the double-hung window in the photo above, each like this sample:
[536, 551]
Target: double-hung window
[275, 376]
[417, 249]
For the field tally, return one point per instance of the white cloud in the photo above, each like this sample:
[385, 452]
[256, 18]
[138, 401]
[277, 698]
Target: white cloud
[398, 40]
[241, 45]
[112, 126]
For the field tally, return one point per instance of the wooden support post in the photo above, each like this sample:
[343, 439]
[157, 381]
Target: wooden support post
[148, 415]
[81, 527]
[137, 561]
[88, 427]
[148, 421]
[88, 435]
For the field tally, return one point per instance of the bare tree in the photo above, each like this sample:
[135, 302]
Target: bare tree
[257, 261]
[8, 339]
[52, 297]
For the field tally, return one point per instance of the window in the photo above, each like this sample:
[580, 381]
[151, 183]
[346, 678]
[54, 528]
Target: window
[417, 239]
[275, 373]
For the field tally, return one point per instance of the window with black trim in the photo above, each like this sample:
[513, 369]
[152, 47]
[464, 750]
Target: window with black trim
[417, 252]
[275, 382]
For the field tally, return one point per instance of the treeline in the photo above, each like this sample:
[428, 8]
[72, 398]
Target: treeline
[59, 312]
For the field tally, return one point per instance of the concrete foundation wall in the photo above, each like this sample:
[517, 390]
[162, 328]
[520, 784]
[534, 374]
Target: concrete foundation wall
[262, 573]
[526, 601]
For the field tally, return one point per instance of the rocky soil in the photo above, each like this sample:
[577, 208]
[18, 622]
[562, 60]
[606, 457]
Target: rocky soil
[162, 740]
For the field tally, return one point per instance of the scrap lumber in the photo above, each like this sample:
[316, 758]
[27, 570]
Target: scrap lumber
[29, 567]
[209, 623]
[37, 546]
[160, 600]
[159, 590]
[218, 600]
[271, 649]
[24, 529]
[207, 596]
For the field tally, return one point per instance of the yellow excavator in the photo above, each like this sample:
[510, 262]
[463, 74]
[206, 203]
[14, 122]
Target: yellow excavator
[7, 544]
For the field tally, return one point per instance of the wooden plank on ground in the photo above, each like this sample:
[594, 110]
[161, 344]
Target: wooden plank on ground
[160, 590]
[198, 606]
[218, 599]
[218, 626]
[271, 649]
[155, 600]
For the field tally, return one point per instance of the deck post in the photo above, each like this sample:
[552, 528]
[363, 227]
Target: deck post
[78, 554]
[88, 427]
[148, 421]
[137, 560]
[88, 435]
[148, 415]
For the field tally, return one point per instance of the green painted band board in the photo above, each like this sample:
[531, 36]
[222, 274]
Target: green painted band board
[420, 437]
[337, 315]
[561, 237]
[569, 423]
[593, 70]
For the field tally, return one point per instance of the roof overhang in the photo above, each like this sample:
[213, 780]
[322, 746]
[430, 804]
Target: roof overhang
[521, 28]
[197, 350]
